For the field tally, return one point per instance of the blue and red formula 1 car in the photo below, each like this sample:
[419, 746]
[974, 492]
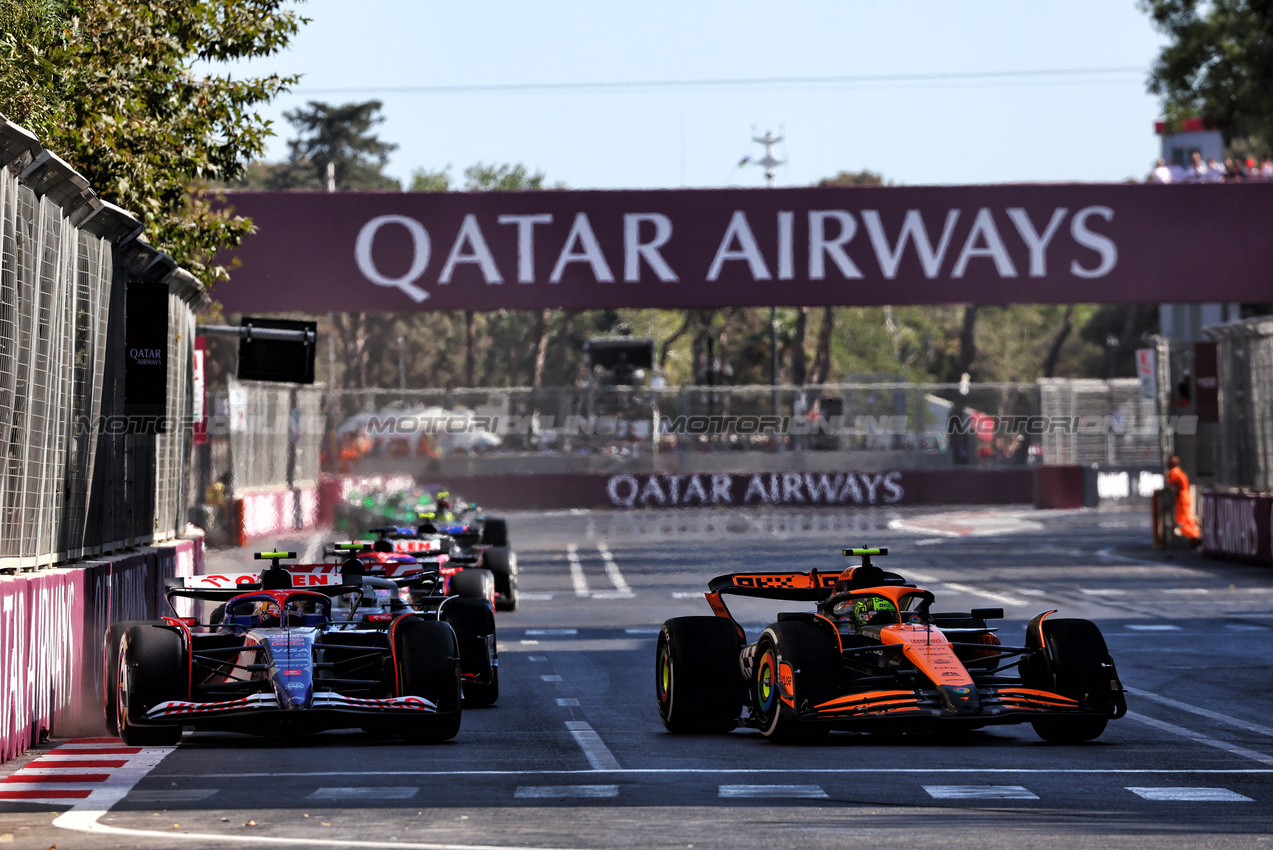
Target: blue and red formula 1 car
[872, 657]
[276, 656]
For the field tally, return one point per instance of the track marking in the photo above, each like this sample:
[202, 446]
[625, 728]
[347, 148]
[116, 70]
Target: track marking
[551, 632]
[594, 749]
[364, 792]
[550, 677]
[612, 570]
[656, 631]
[980, 792]
[537, 658]
[535, 597]
[1001, 598]
[1156, 627]
[549, 792]
[313, 550]
[1190, 795]
[1108, 553]
[681, 594]
[172, 795]
[719, 771]
[1102, 591]
[577, 577]
[1233, 749]
[800, 792]
[1203, 712]
[567, 702]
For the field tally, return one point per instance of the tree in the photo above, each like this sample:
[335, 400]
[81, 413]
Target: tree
[112, 88]
[855, 178]
[342, 137]
[1218, 63]
[502, 178]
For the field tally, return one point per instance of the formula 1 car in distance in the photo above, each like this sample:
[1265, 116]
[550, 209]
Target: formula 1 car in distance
[481, 542]
[405, 545]
[871, 657]
[279, 662]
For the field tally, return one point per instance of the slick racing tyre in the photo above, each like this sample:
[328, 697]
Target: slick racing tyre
[151, 668]
[428, 666]
[697, 679]
[795, 668]
[501, 561]
[474, 625]
[474, 583]
[110, 668]
[495, 532]
[1078, 652]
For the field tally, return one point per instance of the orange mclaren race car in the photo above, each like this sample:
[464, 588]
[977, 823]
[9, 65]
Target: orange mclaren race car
[871, 657]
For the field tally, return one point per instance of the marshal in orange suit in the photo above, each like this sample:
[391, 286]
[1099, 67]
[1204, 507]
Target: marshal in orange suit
[1186, 524]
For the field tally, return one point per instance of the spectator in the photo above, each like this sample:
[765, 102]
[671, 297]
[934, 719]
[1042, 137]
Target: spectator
[1266, 170]
[1215, 172]
[1232, 171]
[1252, 170]
[1161, 173]
[1178, 173]
[1197, 171]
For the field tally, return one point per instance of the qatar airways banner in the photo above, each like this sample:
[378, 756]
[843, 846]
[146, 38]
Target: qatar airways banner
[318, 252]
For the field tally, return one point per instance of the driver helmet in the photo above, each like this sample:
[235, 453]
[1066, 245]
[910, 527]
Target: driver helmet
[873, 610]
[267, 614]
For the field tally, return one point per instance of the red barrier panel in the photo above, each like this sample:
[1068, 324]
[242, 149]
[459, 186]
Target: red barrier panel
[723, 489]
[51, 629]
[1058, 487]
[1238, 526]
[265, 512]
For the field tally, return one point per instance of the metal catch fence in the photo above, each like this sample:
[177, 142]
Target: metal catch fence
[1245, 361]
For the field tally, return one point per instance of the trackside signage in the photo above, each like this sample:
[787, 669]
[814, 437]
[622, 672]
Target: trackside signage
[709, 248]
[1238, 526]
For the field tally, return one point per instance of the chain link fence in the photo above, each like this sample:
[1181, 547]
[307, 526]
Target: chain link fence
[76, 478]
[1245, 361]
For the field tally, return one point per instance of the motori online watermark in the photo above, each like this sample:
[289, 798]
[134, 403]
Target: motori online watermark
[408, 425]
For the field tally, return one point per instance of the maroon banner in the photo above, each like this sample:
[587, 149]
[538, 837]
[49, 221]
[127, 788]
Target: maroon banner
[318, 252]
[1238, 526]
[629, 491]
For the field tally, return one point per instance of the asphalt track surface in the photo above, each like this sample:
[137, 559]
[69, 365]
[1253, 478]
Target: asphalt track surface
[574, 756]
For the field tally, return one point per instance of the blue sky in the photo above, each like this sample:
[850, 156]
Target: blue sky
[1095, 127]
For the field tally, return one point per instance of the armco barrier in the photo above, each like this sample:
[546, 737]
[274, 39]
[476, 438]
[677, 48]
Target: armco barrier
[1060, 487]
[1238, 526]
[51, 628]
[263, 512]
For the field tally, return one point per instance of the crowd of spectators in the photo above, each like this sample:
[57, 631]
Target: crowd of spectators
[1197, 171]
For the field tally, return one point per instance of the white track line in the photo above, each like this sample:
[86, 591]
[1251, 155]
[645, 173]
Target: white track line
[1202, 712]
[314, 547]
[594, 749]
[576, 571]
[612, 570]
[1001, 598]
[552, 792]
[1233, 749]
[718, 771]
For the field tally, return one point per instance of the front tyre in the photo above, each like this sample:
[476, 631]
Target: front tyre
[152, 668]
[1077, 668]
[796, 667]
[697, 679]
[474, 625]
[428, 665]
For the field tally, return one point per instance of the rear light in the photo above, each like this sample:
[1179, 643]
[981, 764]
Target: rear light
[378, 618]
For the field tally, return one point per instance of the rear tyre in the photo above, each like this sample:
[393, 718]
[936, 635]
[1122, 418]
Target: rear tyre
[697, 680]
[473, 583]
[796, 667]
[428, 666]
[474, 626]
[1078, 653]
[502, 562]
[495, 532]
[152, 668]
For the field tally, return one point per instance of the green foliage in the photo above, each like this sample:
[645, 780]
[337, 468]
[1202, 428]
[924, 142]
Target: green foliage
[1218, 64]
[501, 178]
[855, 178]
[342, 136]
[423, 180]
[112, 88]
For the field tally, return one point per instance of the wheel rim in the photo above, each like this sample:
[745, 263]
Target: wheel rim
[766, 690]
[665, 677]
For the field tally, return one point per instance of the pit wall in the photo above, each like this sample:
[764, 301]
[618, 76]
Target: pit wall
[1237, 527]
[51, 630]
[1044, 487]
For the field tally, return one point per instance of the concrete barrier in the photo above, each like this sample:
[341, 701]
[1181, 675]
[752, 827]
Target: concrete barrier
[51, 629]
